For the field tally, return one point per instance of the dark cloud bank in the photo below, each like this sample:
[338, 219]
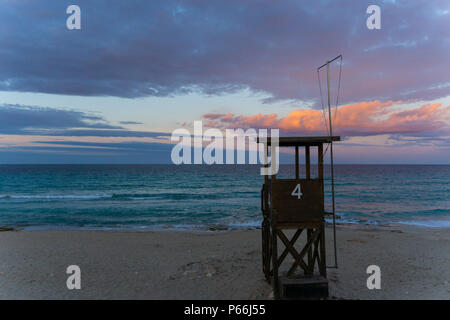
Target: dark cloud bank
[160, 48]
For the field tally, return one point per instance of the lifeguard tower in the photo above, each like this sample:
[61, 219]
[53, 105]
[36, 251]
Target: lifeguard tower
[298, 204]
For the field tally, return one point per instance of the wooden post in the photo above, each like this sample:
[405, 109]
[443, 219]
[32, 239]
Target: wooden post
[266, 177]
[320, 161]
[322, 266]
[323, 260]
[307, 163]
[276, 287]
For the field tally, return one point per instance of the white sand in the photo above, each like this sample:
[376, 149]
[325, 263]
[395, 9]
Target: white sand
[414, 262]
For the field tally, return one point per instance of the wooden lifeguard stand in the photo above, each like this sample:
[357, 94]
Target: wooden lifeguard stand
[297, 204]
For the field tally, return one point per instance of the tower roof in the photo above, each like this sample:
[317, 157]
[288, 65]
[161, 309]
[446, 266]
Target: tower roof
[302, 141]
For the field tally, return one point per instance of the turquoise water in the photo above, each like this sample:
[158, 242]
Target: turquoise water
[148, 197]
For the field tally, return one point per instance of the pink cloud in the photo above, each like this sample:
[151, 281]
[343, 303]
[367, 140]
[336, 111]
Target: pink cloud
[360, 119]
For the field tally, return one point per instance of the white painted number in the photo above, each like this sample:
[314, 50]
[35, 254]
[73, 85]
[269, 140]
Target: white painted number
[297, 191]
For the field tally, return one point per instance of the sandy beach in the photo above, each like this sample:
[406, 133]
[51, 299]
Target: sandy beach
[414, 262]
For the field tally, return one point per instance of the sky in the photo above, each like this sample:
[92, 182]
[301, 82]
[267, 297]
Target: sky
[115, 90]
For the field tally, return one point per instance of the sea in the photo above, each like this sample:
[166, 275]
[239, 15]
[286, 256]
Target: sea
[209, 198]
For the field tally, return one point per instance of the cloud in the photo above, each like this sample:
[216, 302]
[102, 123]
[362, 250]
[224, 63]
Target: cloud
[99, 133]
[130, 122]
[360, 119]
[44, 121]
[72, 151]
[150, 153]
[167, 47]
[421, 141]
[132, 146]
[16, 119]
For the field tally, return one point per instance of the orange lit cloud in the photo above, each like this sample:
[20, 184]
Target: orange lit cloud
[360, 119]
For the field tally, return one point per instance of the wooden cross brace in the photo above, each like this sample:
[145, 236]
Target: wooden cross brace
[314, 239]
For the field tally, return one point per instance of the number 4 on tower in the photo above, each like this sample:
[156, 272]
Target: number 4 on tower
[297, 191]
